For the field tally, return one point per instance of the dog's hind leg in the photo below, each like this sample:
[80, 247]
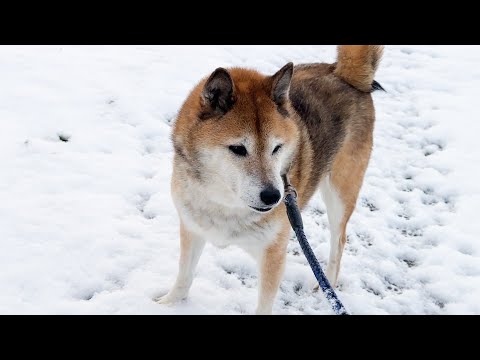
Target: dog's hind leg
[191, 247]
[337, 219]
[340, 192]
[272, 264]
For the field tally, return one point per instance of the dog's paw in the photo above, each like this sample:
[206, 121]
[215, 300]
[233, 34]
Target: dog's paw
[263, 311]
[166, 300]
[171, 298]
[312, 283]
[331, 279]
[331, 275]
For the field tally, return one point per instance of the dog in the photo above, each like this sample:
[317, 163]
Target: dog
[239, 131]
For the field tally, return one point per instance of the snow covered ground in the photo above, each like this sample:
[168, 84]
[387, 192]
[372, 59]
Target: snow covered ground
[87, 225]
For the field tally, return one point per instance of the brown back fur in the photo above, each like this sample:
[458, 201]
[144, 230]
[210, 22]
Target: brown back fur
[333, 113]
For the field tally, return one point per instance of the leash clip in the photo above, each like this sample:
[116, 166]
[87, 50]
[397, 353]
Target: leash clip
[289, 189]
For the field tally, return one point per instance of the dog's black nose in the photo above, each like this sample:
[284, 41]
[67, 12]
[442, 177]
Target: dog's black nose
[270, 195]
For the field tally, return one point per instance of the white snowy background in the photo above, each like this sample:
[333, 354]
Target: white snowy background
[87, 226]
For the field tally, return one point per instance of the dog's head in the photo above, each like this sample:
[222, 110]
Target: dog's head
[236, 134]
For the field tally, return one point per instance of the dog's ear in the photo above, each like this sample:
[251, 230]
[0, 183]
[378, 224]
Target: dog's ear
[281, 84]
[218, 94]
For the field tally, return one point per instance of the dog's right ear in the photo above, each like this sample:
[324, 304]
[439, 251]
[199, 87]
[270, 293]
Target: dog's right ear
[218, 94]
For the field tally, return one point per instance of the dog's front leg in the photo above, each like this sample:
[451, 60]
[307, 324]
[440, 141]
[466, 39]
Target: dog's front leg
[191, 247]
[272, 264]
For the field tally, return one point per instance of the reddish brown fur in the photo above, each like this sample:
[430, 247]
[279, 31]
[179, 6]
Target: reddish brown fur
[254, 112]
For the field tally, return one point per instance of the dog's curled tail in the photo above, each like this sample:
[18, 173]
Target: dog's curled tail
[357, 64]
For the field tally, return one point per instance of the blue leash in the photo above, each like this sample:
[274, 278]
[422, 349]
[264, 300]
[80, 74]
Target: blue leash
[295, 219]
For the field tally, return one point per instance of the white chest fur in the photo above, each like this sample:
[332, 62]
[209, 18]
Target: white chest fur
[224, 226]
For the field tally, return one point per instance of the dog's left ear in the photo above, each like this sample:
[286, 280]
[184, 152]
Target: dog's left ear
[281, 84]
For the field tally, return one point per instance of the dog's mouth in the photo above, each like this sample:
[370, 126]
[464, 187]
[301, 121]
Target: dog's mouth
[262, 210]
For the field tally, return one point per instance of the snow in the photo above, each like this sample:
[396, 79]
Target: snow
[87, 226]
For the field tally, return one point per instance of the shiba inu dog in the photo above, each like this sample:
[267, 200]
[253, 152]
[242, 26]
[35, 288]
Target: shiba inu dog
[239, 131]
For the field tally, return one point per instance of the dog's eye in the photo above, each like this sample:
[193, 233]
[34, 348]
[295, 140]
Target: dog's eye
[239, 150]
[278, 147]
